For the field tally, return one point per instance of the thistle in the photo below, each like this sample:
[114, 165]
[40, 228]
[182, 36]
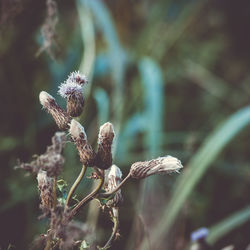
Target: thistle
[113, 179]
[60, 116]
[72, 91]
[168, 164]
[45, 186]
[87, 154]
[105, 140]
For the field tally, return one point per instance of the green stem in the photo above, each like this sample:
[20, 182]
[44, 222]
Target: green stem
[76, 183]
[89, 197]
[117, 188]
[115, 220]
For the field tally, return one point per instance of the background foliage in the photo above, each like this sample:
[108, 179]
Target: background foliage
[173, 77]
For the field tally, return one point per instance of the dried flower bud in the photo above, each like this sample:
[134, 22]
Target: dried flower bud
[75, 101]
[112, 181]
[45, 186]
[166, 165]
[60, 116]
[87, 154]
[105, 140]
[78, 78]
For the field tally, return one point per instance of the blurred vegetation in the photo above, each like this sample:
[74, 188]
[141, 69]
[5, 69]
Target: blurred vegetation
[173, 77]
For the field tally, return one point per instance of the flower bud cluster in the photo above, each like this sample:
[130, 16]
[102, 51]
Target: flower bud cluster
[71, 89]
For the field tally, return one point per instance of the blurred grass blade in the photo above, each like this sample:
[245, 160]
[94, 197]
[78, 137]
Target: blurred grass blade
[88, 38]
[102, 102]
[152, 81]
[197, 168]
[227, 225]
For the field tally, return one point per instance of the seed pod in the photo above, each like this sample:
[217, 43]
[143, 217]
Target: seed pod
[45, 186]
[160, 165]
[87, 154]
[112, 180]
[105, 140]
[61, 117]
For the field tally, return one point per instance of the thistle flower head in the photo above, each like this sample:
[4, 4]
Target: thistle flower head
[105, 140]
[45, 186]
[106, 132]
[77, 130]
[60, 116]
[166, 165]
[69, 88]
[112, 180]
[77, 77]
[45, 98]
[87, 154]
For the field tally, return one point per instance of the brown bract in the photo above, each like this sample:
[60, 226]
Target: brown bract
[86, 153]
[105, 140]
[61, 117]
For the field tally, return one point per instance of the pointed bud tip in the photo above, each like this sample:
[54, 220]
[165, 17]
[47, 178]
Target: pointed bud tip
[76, 129]
[107, 128]
[44, 98]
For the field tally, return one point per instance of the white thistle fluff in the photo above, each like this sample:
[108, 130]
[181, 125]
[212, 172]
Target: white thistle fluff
[68, 88]
[77, 77]
[44, 98]
[76, 129]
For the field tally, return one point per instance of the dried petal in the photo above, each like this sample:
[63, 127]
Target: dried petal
[77, 77]
[105, 140]
[166, 165]
[61, 117]
[87, 154]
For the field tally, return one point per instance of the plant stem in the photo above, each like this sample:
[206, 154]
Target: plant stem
[54, 192]
[115, 220]
[89, 197]
[117, 188]
[76, 183]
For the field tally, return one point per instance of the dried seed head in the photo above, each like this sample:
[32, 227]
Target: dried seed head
[105, 140]
[87, 154]
[45, 186]
[78, 78]
[112, 180]
[166, 165]
[60, 116]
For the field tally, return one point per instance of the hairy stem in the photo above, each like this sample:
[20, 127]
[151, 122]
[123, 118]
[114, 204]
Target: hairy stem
[89, 197]
[76, 183]
[117, 188]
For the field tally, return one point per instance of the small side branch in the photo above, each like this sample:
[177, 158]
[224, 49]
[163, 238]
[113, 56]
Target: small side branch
[117, 188]
[89, 197]
[76, 183]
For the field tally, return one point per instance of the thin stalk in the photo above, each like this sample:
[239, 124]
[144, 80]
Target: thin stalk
[54, 193]
[114, 232]
[117, 188]
[76, 183]
[89, 197]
